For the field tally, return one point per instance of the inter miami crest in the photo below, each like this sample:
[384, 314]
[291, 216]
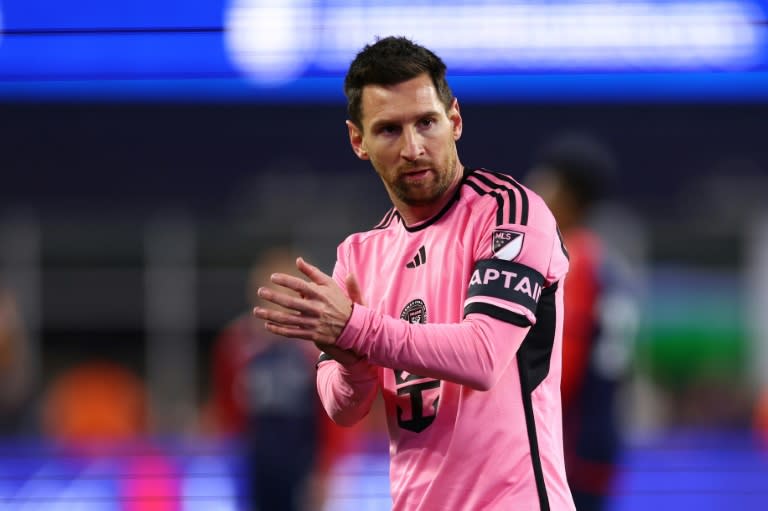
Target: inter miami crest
[507, 244]
[417, 397]
[415, 312]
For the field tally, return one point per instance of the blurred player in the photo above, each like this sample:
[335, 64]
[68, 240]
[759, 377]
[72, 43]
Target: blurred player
[457, 306]
[573, 174]
[263, 392]
[16, 387]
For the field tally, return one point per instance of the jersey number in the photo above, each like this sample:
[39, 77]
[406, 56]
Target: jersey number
[418, 422]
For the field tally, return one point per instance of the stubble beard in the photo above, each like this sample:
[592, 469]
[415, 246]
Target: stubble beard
[417, 195]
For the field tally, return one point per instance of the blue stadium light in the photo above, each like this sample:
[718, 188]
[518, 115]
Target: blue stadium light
[273, 42]
[298, 50]
[279, 43]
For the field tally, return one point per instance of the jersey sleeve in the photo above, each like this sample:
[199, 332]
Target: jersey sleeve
[340, 269]
[517, 258]
[474, 352]
[346, 393]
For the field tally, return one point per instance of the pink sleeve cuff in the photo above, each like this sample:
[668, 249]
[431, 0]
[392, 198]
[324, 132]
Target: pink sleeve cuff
[361, 370]
[354, 327]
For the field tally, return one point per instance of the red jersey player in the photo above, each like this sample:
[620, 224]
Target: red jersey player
[572, 174]
[451, 307]
[263, 392]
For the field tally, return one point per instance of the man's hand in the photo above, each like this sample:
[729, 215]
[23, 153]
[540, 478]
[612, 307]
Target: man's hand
[345, 357]
[319, 313]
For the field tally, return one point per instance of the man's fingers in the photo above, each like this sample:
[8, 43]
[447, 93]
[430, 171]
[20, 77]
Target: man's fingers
[289, 324]
[301, 286]
[289, 302]
[284, 318]
[313, 272]
[353, 289]
[315, 309]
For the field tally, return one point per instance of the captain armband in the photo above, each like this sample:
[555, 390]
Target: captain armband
[498, 288]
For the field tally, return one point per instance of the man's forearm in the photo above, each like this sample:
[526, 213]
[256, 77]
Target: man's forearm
[474, 352]
[347, 392]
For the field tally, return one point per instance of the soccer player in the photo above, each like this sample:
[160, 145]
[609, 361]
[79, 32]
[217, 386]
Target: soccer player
[451, 306]
[263, 391]
[573, 174]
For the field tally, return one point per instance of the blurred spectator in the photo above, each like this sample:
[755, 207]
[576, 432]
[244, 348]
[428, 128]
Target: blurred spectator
[761, 418]
[15, 385]
[95, 402]
[263, 391]
[99, 409]
[573, 174]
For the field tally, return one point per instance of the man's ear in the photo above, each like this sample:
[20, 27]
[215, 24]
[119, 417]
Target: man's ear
[356, 140]
[454, 115]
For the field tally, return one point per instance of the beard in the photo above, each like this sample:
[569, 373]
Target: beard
[429, 190]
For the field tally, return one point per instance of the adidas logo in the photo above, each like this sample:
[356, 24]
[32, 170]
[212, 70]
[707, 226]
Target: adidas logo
[419, 259]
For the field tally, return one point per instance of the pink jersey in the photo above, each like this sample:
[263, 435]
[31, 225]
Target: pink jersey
[462, 333]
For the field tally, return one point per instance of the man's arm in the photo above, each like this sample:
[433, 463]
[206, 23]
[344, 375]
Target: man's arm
[474, 352]
[346, 392]
[346, 383]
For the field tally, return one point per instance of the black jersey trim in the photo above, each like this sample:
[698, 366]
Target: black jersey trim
[476, 188]
[497, 313]
[562, 244]
[386, 220]
[533, 364]
[524, 206]
[509, 186]
[496, 195]
[512, 203]
[533, 440]
[496, 190]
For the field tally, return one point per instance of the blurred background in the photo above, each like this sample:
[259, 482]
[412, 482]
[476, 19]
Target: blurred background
[152, 153]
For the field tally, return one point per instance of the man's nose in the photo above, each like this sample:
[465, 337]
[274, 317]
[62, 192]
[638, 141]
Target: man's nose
[412, 144]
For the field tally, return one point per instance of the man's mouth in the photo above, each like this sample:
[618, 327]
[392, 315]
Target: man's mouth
[414, 175]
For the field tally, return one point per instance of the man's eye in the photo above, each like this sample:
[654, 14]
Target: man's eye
[427, 122]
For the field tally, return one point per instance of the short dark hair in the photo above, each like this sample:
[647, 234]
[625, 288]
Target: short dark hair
[390, 61]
